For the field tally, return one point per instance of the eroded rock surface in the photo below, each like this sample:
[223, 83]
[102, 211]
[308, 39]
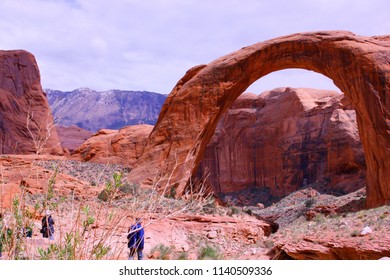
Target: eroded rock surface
[285, 139]
[122, 146]
[26, 122]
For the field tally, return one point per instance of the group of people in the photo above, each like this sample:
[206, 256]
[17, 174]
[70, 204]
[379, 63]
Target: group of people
[47, 230]
[135, 235]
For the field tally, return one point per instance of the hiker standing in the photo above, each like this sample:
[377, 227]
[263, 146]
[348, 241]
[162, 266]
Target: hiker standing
[135, 239]
[48, 226]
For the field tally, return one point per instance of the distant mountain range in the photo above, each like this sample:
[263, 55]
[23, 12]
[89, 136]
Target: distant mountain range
[112, 109]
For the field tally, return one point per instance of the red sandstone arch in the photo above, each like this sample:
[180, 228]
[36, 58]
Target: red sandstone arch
[359, 66]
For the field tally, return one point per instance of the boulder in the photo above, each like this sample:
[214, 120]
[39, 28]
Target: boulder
[122, 146]
[72, 137]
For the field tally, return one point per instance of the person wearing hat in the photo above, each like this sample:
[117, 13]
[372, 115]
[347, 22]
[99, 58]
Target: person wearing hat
[48, 226]
[135, 239]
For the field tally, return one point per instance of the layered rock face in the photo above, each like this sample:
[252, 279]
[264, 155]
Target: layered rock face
[112, 109]
[26, 122]
[284, 139]
[357, 65]
[122, 146]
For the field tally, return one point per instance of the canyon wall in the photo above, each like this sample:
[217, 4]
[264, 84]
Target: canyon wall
[26, 122]
[285, 139]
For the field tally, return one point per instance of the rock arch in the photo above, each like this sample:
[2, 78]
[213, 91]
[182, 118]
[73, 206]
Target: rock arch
[359, 66]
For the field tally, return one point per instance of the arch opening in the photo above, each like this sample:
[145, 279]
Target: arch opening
[294, 78]
[286, 139]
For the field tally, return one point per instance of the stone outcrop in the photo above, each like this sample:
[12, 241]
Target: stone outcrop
[330, 246]
[122, 146]
[72, 137]
[26, 122]
[359, 67]
[285, 139]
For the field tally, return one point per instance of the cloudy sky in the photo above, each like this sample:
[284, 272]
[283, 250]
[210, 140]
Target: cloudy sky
[150, 44]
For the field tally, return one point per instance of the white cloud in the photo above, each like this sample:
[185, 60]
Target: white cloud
[148, 45]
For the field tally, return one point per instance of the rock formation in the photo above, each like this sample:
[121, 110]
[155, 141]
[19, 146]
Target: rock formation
[72, 137]
[115, 147]
[26, 122]
[333, 247]
[284, 139]
[112, 109]
[358, 65]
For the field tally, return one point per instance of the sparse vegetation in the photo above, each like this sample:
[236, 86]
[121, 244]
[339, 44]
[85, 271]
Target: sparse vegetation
[355, 233]
[310, 202]
[209, 253]
[162, 252]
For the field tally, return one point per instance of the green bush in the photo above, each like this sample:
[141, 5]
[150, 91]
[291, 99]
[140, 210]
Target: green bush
[209, 253]
[355, 233]
[183, 256]
[310, 202]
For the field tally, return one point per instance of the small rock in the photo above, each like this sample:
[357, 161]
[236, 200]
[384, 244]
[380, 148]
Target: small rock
[344, 223]
[260, 205]
[365, 231]
[310, 215]
[185, 247]
[212, 234]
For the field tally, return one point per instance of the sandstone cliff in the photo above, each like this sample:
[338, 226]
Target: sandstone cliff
[26, 122]
[284, 139]
[113, 109]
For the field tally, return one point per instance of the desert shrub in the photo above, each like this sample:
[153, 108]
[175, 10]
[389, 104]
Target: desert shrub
[355, 233]
[111, 188]
[209, 206]
[310, 202]
[209, 253]
[235, 211]
[382, 217]
[183, 256]
[269, 244]
[320, 219]
[130, 189]
[104, 195]
[164, 252]
[172, 192]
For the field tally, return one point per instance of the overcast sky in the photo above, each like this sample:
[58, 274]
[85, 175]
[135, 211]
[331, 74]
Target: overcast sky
[150, 44]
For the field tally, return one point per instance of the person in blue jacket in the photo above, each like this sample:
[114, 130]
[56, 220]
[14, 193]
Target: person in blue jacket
[136, 238]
